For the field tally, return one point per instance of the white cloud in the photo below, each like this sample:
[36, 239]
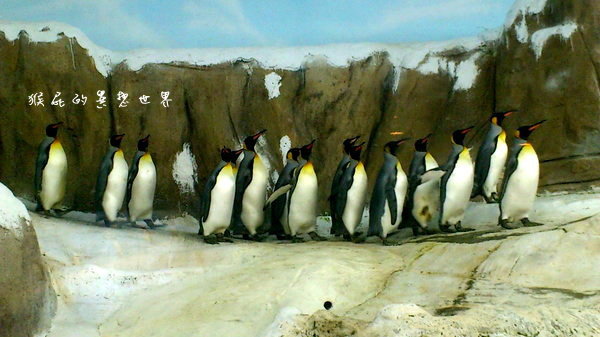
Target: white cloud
[224, 17]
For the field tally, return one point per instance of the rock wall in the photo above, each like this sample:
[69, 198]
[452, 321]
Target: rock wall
[218, 104]
[27, 300]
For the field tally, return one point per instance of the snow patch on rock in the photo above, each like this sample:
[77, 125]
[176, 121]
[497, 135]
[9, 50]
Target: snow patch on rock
[185, 170]
[522, 31]
[285, 144]
[524, 8]
[12, 211]
[465, 72]
[539, 38]
[273, 83]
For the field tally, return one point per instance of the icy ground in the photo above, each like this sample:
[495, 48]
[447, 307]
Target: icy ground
[541, 281]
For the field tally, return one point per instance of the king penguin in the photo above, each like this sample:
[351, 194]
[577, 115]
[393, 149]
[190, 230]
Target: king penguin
[387, 199]
[217, 198]
[279, 206]
[250, 190]
[456, 184]
[337, 228]
[50, 171]
[112, 182]
[351, 193]
[141, 184]
[421, 162]
[521, 180]
[491, 159]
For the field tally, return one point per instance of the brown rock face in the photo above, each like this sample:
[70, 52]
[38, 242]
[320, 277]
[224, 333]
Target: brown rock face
[219, 104]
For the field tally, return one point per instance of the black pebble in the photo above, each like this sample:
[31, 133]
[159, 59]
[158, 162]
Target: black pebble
[327, 305]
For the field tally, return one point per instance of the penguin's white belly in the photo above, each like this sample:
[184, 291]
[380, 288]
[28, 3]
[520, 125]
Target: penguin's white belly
[112, 200]
[458, 192]
[497, 162]
[430, 162]
[254, 198]
[426, 202]
[54, 178]
[303, 205]
[400, 189]
[221, 204]
[521, 189]
[142, 191]
[355, 201]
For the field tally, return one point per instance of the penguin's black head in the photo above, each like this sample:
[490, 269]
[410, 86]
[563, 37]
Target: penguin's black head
[525, 131]
[458, 136]
[52, 129]
[115, 140]
[143, 144]
[421, 144]
[498, 117]
[293, 153]
[355, 151]
[306, 150]
[349, 143]
[392, 147]
[250, 141]
[235, 154]
[226, 154]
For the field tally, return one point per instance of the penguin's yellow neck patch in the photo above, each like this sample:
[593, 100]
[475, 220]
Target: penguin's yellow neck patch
[56, 145]
[502, 137]
[119, 154]
[147, 158]
[308, 168]
[228, 169]
[360, 168]
[465, 154]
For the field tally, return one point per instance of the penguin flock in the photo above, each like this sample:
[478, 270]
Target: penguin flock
[234, 200]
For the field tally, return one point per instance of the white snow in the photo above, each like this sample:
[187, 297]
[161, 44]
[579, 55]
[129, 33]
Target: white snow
[465, 72]
[273, 83]
[12, 211]
[524, 8]
[185, 170]
[522, 31]
[262, 150]
[285, 144]
[539, 38]
[401, 55]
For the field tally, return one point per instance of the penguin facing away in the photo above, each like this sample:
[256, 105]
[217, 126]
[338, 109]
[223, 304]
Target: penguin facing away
[491, 159]
[337, 227]
[521, 180]
[111, 184]
[279, 211]
[421, 162]
[141, 185]
[250, 190]
[50, 179]
[351, 194]
[389, 192]
[426, 199]
[456, 184]
[218, 197]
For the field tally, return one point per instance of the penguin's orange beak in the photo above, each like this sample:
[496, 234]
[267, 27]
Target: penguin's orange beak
[467, 130]
[55, 126]
[402, 140]
[119, 137]
[310, 146]
[146, 139]
[508, 113]
[536, 125]
[260, 133]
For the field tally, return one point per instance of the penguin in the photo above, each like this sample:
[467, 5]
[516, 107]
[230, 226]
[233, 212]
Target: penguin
[217, 198]
[389, 192]
[456, 184]
[303, 197]
[351, 193]
[141, 185]
[421, 162]
[521, 180]
[426, 200]
[279, 206]
[50, 171]
[111, 184]
[491, 159]
[250, 190]
[337, 228]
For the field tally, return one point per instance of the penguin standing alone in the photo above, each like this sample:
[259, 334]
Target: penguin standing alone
[250, 190]
[521, 180]
[279, 210]
[387, 199]
[456, 184]
[491, 159]
[217, 198]
[50, 171]
[141, 185]
[337, 227]
[111, 184]
[351, 193]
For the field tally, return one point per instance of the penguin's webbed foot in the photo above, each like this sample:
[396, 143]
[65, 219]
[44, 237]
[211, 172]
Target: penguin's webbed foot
[528, 223]
[211, 240]
[460, 228]
[386, 242]
[222, 238]
[283, 237]
[297, 239]
[357, 238]
[316, 237]
[447, 229]
[150, 223]
[504, 223]
[107, 223]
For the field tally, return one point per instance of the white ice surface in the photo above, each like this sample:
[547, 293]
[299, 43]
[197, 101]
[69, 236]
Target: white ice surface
[185, 170]
[12, 211]
[524, 8]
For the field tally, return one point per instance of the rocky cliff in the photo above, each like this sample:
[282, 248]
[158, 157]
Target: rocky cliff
[544, 62]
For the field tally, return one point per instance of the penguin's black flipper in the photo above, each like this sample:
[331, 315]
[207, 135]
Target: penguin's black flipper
[390, 194]
[133, 171]
[344, 185]
[335, 184]
[511, 167]
[105, 168]
[278, 204]
[211, 181]
[40, 164]
[482, 165]
[242, 181]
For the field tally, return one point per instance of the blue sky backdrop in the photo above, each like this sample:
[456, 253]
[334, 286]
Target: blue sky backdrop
[123, 25]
